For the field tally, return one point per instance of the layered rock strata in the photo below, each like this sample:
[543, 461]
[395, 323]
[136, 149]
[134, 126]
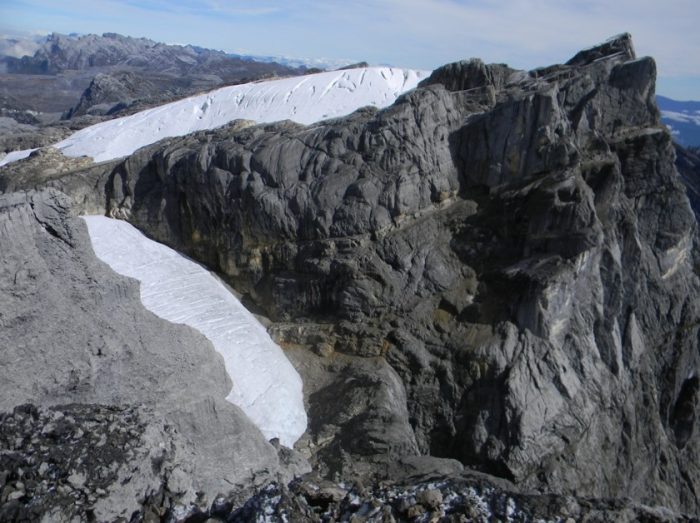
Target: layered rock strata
[516, 245]
[499, 270]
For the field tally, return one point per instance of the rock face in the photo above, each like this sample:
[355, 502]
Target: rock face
[688, 164]
[16, 136]
[108, 93]
[499, 271]
[75, 337]
[516, 245]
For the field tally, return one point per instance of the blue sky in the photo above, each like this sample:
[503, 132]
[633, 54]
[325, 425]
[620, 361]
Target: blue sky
[410, 33]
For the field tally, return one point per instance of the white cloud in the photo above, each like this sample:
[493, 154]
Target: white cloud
[17, 46]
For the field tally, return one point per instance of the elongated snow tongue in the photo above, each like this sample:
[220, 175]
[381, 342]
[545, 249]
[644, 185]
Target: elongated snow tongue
[265, 384]
[303, 99]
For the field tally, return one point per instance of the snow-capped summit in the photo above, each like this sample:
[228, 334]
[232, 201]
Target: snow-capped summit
[303, 99]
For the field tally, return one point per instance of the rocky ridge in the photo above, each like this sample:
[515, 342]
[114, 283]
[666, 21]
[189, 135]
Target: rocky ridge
[498, 271]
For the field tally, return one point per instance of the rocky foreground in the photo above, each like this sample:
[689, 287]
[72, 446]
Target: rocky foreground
[498, 272]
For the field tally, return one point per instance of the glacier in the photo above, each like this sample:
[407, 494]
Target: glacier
[265, 384]
[303, 99]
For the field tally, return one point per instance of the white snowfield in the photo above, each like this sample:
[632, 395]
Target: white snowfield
[15, 155]
[303, 99]
[265, 384]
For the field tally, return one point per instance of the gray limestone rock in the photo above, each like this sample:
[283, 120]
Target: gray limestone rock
[458, 498]
[72, 332]
[15, 136]
[499, 269]
[688, 163]
[107, 93]
[515, 245]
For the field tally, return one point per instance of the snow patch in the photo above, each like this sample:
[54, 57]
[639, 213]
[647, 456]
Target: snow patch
[265, 384]
[15, 155]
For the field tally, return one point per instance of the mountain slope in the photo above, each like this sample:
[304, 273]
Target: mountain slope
[125, 407]
[508, 249]
[304, 99]
[497, 272]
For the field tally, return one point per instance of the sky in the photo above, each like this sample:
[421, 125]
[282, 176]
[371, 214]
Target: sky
[407, 33]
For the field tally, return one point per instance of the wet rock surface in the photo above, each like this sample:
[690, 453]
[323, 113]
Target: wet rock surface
[497, 272]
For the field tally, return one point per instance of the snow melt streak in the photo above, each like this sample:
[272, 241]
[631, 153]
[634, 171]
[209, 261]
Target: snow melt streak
[265, 385]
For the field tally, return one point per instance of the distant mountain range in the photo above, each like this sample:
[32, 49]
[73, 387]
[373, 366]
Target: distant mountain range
[683, 118]
[59, 53]
[17, 47]
[309, 63]
[131, 71]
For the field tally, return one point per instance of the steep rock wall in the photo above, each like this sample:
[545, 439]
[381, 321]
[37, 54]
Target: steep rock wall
[518, 246]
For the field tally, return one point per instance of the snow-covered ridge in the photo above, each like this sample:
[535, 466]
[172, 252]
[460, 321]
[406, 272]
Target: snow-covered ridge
[265, 384]
[303, 99]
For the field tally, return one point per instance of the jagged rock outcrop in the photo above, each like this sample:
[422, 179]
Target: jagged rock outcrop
[108, 92]
[96, 371]
[499, 269]
[518, 252]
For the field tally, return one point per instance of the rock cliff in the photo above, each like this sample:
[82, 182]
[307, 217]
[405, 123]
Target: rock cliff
[500, 270]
